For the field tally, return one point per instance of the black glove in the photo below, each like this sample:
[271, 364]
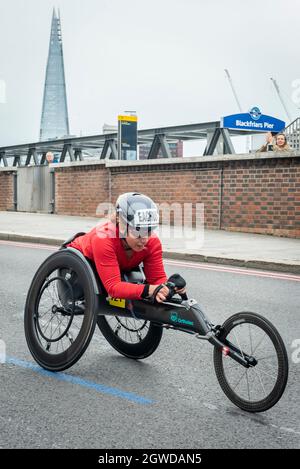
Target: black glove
[178, 281]
[152, 298]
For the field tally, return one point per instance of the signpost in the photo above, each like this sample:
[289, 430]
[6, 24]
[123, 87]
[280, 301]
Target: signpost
[127, 137]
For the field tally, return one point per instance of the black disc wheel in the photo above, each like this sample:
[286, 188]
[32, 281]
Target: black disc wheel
[131, 337]
[60, 313]
[259, 387]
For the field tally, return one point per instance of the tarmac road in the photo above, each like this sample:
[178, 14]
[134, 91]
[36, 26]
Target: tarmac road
[170, 400]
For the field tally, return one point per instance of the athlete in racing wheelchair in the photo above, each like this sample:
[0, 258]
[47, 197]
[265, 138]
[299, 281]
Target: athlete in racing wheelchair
[98, 278]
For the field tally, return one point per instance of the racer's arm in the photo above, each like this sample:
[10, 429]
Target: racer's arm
[109, 271]
[153, 263]
[154, 270]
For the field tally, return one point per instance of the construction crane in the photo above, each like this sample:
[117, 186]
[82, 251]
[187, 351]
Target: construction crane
[281, 99]
[238, 104]
[233, 90]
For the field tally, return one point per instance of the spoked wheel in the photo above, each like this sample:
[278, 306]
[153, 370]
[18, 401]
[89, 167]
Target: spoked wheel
[60, 311]
[131, 337]
[259, 387]
[54, 316]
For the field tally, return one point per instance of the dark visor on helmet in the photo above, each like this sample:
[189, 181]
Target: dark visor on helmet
[141, 232]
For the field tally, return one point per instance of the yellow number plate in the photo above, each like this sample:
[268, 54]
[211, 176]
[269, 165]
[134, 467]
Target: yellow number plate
[119, 302]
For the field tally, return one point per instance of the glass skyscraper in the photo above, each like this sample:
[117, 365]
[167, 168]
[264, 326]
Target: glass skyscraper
[55, 121]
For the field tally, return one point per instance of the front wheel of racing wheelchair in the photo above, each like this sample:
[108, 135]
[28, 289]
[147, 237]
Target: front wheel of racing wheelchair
[65, 301]
[60, 309]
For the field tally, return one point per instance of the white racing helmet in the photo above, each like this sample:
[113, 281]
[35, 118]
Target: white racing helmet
[137, 212]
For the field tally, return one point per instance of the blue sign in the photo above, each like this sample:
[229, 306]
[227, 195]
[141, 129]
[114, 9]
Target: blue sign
[254, 120]
[255, 113]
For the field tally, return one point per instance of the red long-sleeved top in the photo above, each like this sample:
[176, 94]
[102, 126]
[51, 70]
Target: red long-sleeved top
[104, 247]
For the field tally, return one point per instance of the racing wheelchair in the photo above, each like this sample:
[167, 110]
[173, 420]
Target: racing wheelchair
[66, 300]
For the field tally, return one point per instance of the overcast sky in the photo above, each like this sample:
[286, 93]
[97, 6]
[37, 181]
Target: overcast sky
[163, 58]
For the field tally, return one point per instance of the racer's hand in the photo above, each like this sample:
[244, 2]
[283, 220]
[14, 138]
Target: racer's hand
[161, 295]
[180, 291]
[179, 284]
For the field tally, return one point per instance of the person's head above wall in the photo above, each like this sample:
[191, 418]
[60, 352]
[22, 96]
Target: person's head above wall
[49, 157]
[280, 139]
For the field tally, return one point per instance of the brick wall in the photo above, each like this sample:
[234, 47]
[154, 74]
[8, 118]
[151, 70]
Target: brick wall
[174, 186]
[252, 193]
[6, 190]
[262, 196]
[79, 189]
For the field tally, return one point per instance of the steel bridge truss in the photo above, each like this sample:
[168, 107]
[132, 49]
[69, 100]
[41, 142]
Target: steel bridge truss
[105, 146]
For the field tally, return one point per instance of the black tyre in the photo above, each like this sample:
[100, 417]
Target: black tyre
[258, 388]
[60, 313]
[131, 337]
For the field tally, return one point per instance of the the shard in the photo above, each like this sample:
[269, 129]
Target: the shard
[54, 120]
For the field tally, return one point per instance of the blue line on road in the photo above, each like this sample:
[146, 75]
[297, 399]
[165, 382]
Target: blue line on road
[75, 380]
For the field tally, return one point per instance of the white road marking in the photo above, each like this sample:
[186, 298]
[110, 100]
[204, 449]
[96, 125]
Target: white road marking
[192, 265]
[234, 270]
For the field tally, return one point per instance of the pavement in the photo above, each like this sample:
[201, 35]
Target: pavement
[215, 246]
